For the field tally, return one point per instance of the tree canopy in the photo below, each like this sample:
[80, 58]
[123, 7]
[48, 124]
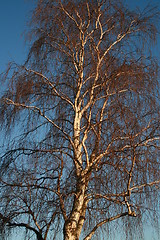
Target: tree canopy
[82, 116]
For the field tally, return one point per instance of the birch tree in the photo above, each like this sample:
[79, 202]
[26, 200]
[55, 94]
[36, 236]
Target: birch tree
[82, 116]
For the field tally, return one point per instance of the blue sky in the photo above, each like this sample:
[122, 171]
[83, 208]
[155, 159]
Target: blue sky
[14, 15]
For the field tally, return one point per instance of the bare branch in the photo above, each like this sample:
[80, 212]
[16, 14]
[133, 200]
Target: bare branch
[88, 237]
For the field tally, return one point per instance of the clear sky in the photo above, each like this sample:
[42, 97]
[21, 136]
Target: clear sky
[14, 15]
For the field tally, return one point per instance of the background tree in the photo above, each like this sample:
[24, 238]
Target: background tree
[84, 113]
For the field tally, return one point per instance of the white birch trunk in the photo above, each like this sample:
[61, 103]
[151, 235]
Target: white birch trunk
[74, 224]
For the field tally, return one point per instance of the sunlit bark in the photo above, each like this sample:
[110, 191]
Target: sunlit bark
[85, 114]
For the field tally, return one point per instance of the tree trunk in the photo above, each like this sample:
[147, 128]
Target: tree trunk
[73, 226]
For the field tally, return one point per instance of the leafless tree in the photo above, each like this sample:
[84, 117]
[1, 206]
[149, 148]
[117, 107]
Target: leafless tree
[82, 114]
